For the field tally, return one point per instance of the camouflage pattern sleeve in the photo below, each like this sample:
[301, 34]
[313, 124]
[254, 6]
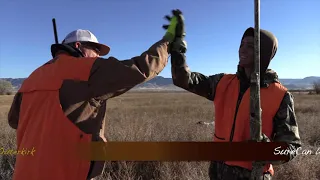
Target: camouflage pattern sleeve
[285, 128]
[194, 82]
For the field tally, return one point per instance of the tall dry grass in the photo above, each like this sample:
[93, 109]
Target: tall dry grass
[173, 117]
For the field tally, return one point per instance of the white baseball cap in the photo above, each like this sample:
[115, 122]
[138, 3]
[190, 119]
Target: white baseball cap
[81, 35]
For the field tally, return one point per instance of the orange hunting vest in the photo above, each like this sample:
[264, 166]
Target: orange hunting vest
[225, 103]
[44, 127]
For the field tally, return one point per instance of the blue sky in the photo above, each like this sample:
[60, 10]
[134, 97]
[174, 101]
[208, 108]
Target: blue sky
[214, 29]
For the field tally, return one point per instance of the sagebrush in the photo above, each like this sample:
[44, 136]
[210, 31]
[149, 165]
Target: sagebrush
[6, 87]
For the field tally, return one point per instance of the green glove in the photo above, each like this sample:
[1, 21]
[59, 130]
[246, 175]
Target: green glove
[176, 27]
[176, 32]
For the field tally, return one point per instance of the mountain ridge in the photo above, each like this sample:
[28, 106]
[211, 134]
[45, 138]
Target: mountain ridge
[163, 83]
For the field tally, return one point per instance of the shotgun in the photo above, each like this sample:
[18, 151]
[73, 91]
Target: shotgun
[55, 30]
[255, 105]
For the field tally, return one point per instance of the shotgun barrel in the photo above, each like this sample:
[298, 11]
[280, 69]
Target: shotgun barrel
[55, 30]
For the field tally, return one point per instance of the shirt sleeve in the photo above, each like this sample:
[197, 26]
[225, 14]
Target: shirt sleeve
[112, 77]
[285, 126]
[193, 82]
[13, 115]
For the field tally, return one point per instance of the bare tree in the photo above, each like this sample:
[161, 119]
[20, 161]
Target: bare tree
[316, 86]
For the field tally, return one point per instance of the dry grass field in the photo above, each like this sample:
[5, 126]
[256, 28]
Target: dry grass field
[173, 117]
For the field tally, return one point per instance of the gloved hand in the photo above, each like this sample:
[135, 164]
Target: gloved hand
[176, 32]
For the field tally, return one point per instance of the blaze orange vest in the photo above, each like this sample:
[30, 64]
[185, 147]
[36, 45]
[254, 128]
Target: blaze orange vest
[225, 103]
[44, 127]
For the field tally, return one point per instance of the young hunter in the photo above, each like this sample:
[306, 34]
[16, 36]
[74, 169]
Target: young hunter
[230, 94]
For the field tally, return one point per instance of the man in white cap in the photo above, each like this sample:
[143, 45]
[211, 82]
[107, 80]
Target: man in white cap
[63, 102]
[85, 43]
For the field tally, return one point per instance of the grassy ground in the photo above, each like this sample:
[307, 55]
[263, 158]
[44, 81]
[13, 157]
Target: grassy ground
[173, 117]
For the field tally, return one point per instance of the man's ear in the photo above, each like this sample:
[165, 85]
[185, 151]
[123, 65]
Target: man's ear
[77, 45]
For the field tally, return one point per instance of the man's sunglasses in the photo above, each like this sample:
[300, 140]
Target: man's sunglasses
[91, 46]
